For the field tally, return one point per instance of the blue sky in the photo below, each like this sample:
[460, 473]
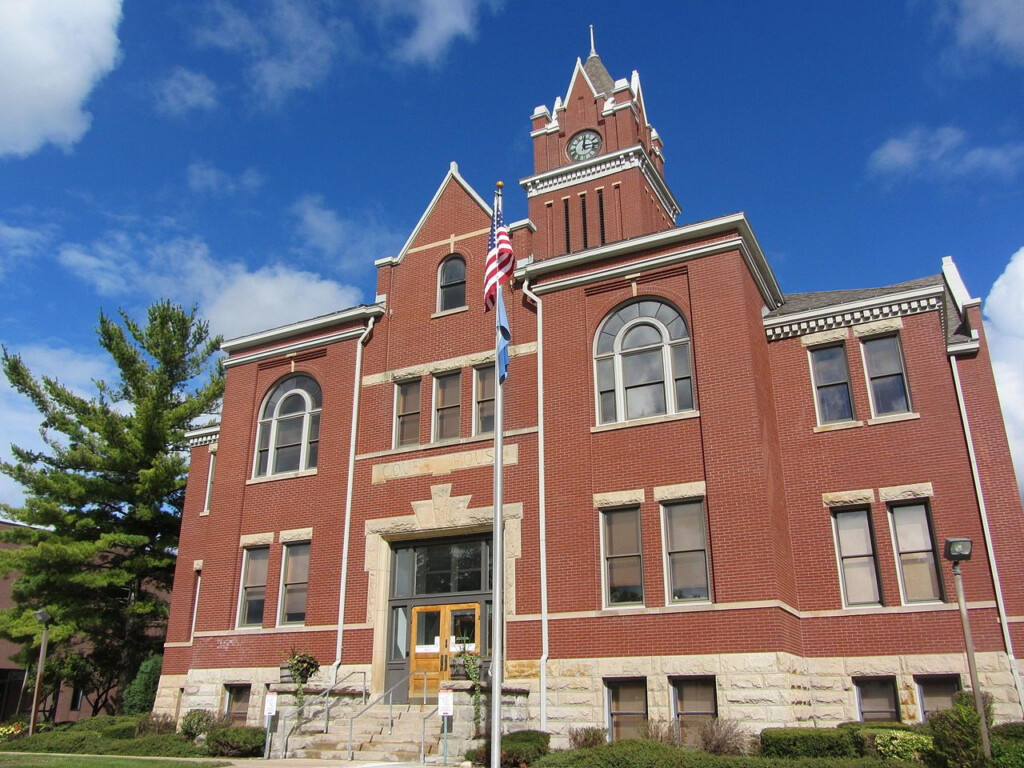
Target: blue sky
[254, 157]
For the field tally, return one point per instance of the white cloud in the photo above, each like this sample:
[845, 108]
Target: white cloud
[52, 54]
[1004, 325]
[436, 25]
[235, 299]
[990, 27]
[18, 244]
[288, 47]
[203, 177]
[184, 91]
[944, 154]
[73, 368]
[354, 243]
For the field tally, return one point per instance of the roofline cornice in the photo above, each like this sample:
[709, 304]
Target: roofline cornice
[745, 241]
[203, 435]
[304, 326]
[599, 166]
[844, 314]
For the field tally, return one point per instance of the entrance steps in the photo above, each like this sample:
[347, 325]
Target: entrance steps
[376, 735]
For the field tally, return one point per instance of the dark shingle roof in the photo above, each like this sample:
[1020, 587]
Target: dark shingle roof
[793, 303]
[599, 77]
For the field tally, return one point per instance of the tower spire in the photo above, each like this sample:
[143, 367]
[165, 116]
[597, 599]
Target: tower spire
[593, 50]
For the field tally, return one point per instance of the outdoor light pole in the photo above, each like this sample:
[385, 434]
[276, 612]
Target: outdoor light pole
[44, 618]
[957, 551]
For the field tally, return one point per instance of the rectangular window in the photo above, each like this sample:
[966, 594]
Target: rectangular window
[236, 704]
[856, 549]
[209, 483]
[483, 401]
[686, 551]
[254, 587]
[600, 212]
[407, 413]
[294, 583]
[195, 603]
[915, 552]
[583, 214]
[876, 699]
[76, 699]
[886, 375]
[627, 707]
[935, 692]
[623, 566]
[695, 703]
[565, 210]
[831, 384]
[447, 405]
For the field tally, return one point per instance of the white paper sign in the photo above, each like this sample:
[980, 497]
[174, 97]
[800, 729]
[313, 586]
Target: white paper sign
[270, 705]
[446, 703]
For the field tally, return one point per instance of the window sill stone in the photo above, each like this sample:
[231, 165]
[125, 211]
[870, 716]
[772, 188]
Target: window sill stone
[838, 426]
[449, 312]
[909, 416]
[645, 421]
[281, 476]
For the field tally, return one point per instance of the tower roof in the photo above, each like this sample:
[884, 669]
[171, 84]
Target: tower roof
[603, 82]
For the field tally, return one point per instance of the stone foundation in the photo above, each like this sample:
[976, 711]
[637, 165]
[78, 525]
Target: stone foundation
[761, 690]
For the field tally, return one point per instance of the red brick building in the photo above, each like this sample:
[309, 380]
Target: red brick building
[720, 499]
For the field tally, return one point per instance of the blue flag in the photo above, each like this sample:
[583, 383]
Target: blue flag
[504, 338]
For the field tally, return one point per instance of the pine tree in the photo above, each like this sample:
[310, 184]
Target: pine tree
[103, 501]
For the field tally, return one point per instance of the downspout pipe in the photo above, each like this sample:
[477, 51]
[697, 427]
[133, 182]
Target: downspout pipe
[541, 510]
[976, 475]
[335, 667]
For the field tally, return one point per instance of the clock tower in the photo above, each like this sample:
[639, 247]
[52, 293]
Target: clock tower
[599, 171]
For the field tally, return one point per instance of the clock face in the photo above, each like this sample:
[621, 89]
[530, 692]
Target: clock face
[584, 145]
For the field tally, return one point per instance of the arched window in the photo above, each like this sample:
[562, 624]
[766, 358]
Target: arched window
[451, 283]
[289, 427]
[642, 362]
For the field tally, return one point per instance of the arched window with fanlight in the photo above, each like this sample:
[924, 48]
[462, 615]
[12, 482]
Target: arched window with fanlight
[288, 438]
[451, 284]
[642, 362]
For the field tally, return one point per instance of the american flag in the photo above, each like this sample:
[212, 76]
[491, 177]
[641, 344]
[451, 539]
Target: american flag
[500, 259]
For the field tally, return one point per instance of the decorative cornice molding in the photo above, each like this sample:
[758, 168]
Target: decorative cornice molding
[204, 436]
[854, 313]
[599, 167]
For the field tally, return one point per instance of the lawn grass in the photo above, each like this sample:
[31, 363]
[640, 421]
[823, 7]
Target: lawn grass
[86, 761]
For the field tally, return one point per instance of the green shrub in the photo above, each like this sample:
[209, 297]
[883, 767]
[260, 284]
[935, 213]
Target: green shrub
[196, 722]
[101, 723]
[154, 745]
[1011, 731]
[587, 736]
[901, 745]
[1007, 753]
[141, 692]
[807, 742]
[71, 742]
[86, 741]
[244, 741]
[151, 724]
[956, 734]
[517, 748]
[122, 730]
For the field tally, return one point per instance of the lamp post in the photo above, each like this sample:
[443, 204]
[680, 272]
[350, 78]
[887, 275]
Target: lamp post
[43, 618]
[958, 551]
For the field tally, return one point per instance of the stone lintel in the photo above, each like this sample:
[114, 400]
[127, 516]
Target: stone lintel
[845, 498]
[887, 325]
[900, 492]
[255, 539]
[296, 534]
[619, 498]
[824, 337]
[681, 491]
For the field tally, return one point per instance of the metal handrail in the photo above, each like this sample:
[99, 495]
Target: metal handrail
[423, 733]
[325, 696]
[391, 715]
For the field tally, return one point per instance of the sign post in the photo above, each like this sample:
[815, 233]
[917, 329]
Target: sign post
[269, 711]
[445, 708]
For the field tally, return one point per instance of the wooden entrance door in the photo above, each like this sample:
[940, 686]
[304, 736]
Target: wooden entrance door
[439, 632]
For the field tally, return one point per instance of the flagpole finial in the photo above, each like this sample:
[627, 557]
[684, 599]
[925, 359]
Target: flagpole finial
[593, 50]
[500, 184]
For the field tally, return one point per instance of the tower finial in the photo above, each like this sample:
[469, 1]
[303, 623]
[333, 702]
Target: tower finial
[593, 51]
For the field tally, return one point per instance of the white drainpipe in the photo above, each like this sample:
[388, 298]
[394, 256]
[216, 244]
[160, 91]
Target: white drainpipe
[541, 510]
[348, 495]
[1000, 607]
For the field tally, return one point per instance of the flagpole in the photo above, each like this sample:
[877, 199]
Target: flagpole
[498, 544]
